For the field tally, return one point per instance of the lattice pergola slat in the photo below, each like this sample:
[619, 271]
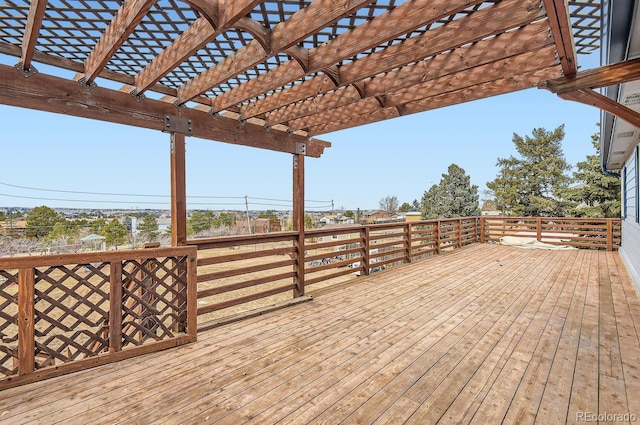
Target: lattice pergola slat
[276, 61]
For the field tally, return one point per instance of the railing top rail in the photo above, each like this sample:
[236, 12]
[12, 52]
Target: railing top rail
[92, 257]
[577, 219]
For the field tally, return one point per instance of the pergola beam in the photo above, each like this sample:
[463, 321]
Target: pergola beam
[383, 28]
[53, 94]
[560, 24]
[493, 88]
[484, 23]
[194, 38]
[306, 21]
[529, 39]
[592, 98]
[526, 62]
[32, 31]
[123, 24]
[609, 75]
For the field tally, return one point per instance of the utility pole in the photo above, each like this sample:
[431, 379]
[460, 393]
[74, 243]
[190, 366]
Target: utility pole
[246, 204]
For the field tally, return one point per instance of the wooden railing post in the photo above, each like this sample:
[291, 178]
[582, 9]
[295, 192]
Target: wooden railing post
[192, 296]
[115, 307]
[437, 236]
[26, 321]
[459, 233]
[367, 247]
[482, 224]
[539, 228]
[409, 241]
[610, 234]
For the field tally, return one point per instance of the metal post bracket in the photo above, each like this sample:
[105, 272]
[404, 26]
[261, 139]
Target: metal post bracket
[26, 72]
[301, 148]
[176, 124]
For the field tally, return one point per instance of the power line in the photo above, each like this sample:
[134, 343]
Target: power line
[83, 200]
[244, 198]
[153, 203]
[284, 200]
[115, 194]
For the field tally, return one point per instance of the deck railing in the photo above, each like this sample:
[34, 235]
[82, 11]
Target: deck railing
[238, 273]
[590, 233]
[69, 312]
[235, 270]
[63, 313]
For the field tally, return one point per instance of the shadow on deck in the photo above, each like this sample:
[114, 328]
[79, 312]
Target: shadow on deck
[485, 334]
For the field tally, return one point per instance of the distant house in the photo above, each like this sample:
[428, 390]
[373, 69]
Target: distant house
[337, 237]
[379, 216]
[412, 216]
[14, 229]
[328, 219]
[491, 212]
[265, 225]
[163, 224]
[343, 219]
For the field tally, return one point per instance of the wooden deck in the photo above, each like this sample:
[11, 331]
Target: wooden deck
[486, 334]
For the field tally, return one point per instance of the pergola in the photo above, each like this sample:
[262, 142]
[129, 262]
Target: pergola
[275, 74]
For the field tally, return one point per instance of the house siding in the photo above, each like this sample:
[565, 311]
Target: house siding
[630, 247]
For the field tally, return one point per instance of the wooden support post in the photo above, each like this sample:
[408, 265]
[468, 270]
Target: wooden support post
[539, 228]
[298, 222]
[482, 224]
[459, 233]
[178, 191]
[437, 235]
[115, 307]
[26, 321]
[610, 234]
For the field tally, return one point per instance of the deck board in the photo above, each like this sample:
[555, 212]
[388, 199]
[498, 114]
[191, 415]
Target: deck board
[485, 334]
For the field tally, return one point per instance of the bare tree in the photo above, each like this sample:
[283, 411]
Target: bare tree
[389, 204]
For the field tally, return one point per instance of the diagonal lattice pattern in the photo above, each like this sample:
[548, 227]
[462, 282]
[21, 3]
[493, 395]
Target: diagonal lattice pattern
[71, 29]
[186, 51]
[153, 299]
[8, 321]
[72, 312]
[585, 20]
[71, 309]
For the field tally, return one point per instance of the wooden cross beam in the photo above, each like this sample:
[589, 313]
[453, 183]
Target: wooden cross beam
[53, 94]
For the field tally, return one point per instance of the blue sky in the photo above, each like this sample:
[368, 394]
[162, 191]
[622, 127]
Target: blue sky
[402, 157]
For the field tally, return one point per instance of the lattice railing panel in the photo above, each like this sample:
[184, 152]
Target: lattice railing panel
[72, 312]
[154, 302]
[8, 322]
